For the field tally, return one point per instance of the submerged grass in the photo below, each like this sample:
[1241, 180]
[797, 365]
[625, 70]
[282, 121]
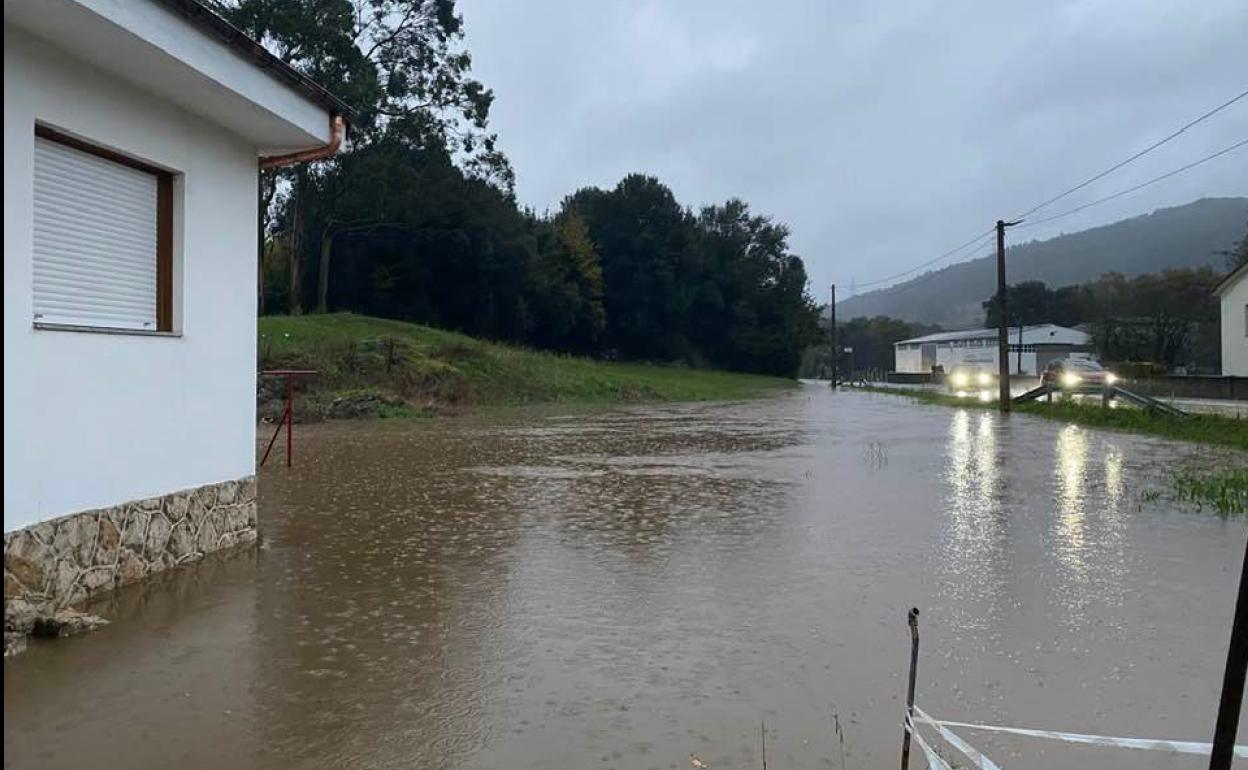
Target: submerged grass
[377, 367]
[1224, 491]
[1212, 429]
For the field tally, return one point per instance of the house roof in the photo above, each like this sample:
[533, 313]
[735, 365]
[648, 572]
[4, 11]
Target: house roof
[181, 52]
[1039, 334]
[1234, 277]
[211, 23]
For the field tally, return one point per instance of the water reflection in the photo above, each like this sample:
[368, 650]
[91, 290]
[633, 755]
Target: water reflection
[623, 589]
[1069, 484]
[1089, 491]
[973, 548]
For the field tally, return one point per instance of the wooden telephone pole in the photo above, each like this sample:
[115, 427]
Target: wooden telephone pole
[1003, 323]
[832, 336]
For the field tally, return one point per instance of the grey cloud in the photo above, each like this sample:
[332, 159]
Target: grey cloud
[882, 133]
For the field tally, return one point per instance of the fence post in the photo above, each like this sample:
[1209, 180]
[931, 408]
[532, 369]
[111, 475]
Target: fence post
[913, 619]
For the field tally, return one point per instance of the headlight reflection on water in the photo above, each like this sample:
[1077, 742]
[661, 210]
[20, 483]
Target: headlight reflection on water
[973, 547]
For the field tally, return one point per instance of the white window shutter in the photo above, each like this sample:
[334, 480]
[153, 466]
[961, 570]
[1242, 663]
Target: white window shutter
[94, 240]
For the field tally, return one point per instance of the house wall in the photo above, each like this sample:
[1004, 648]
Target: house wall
[93, 420]
[1235, 329]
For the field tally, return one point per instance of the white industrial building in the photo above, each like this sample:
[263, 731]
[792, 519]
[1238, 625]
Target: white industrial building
[1233, 292]
[1031, 349]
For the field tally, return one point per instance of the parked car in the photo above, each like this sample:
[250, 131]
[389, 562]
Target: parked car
[1075, 373]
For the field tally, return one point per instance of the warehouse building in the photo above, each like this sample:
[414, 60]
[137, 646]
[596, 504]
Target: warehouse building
[1031, 349]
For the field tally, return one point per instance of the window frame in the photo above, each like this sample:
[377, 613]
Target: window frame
[164, 234]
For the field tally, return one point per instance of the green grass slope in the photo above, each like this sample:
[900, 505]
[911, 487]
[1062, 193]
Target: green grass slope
[377, 367]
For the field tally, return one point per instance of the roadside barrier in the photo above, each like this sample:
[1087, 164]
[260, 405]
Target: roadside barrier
[977, 759]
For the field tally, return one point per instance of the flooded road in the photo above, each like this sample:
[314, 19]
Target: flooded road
[624, 589]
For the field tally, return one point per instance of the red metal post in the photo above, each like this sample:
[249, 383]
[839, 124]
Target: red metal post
[288, 413]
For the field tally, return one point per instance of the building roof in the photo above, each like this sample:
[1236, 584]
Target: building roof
[1039, 334]
[1234, 277]
[212, 24]
[181, 52]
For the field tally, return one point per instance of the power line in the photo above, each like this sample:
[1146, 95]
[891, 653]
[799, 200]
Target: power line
[984, 236]
[973, 242]
[1139, 154]
[1155, 179]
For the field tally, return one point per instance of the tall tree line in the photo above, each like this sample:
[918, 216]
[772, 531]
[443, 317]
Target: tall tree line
[419, 220]
[1168, 319]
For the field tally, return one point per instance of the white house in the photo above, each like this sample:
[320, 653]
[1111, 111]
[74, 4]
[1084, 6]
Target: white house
[1233, 292]
[1031, 348]
[132, 134]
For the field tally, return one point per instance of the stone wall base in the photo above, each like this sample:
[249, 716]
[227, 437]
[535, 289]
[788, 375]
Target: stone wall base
[59, 564]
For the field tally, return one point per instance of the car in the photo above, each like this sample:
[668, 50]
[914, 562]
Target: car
[1076, 373]
[972, 376]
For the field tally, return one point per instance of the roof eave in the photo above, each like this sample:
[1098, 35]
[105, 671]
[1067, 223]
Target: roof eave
[1230, 280]
[211, 23]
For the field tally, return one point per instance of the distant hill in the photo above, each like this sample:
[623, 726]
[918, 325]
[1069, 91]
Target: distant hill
[1183, 236]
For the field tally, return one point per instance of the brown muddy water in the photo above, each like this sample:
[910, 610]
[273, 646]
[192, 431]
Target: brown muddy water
[623, 589]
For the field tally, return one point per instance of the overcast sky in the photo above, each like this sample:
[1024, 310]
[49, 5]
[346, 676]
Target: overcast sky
[882, 133]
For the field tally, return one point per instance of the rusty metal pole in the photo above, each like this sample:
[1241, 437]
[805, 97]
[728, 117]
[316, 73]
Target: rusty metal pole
[913, 619]
[290, 418]
[1232, 680]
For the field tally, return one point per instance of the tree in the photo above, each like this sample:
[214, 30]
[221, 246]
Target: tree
[749, 307]
[402, 65]
[643, 237]
[567, 285]
[1028, 303]
[873, 338]
[1168, 318]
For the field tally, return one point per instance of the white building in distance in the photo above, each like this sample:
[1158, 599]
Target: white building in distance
[1031, 349]
[1233, 292]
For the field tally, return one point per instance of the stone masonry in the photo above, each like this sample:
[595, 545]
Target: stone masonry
[59, 564]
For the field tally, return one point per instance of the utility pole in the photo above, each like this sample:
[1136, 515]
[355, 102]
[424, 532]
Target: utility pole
[1003, 323]
[1233, 680]
[832, 335]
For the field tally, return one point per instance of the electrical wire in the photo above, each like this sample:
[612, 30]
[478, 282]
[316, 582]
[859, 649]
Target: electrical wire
[971, 243]
[1136, 156]
[1141, 185]
[983, 236]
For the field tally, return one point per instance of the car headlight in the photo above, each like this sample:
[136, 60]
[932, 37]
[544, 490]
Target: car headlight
[985, 378]
[1110, 378]
[1070, 379]
[960, 379]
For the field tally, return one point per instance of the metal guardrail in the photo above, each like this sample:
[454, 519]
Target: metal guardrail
[1107, 394]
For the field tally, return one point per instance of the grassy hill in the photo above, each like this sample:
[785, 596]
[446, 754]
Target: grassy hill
[1183, 236]
[377, 367]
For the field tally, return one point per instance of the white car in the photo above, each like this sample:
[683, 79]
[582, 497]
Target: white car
[972, 376]
[1075, 373]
